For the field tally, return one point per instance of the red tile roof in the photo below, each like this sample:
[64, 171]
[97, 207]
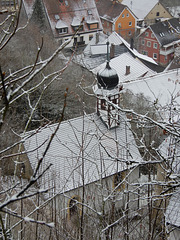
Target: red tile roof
[109, 9]
[67, 10]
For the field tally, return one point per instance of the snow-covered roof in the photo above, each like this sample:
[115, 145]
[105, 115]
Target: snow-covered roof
[76, 22]
[170, 150]
[174, 11]
[140, 8]
[137, 68]
[60, 24]
[136, 53]
[172, 214]
[28, 4]
[159, 88]
[84, 140]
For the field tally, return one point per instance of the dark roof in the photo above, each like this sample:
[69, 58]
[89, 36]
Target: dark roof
[109, 9]
[107, 78]
[166, 31]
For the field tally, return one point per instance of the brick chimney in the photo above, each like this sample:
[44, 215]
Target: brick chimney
[127, 70]
[97, 37]
[112, 51]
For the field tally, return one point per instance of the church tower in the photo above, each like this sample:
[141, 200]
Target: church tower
[107, 91]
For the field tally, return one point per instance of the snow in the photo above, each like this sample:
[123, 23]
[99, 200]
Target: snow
[140, 8]
[158, 88]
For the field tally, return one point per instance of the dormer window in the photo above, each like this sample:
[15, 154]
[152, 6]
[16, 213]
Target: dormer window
[61, 27]
[91, 21]
[76, 24]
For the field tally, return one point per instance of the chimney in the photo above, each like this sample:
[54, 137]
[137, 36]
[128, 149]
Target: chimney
[127, 70]
[132, 43]
[97, 37]
[112, 50]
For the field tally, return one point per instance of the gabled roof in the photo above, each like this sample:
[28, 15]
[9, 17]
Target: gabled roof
[68, 11]
[83, 140]
[160, 89]
[137, 68]
[121, 46]
[166, 31]
[140, 8]
[109, 10]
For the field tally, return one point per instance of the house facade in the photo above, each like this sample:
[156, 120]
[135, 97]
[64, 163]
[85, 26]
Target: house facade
[116, 17]
[159, 41]
[147, 12]
[66, 18]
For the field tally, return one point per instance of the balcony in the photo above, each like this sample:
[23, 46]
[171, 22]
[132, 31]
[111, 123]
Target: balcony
[166, 52]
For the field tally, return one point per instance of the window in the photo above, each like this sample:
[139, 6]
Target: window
[142, 42]
[146, 34]
[118, 183]
[103, 104]
[123, 16]
[119, 25]
[148, 44]
[81, 39]
[152, 35]
[127, 15]
[144, 52]
[155, 55]
[157, 14]
[129, 33]
[155, 45]
[90, 37]
[130, 23]
[74, 208]
[62, 30]
[93, 26]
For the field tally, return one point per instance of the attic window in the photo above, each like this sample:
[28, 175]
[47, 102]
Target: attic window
[61, 27]
[161, 34]
[157, 14]
[118, 179]
[57, 17]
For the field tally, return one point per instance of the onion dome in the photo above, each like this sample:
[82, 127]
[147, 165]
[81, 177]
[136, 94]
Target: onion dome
[107, 78]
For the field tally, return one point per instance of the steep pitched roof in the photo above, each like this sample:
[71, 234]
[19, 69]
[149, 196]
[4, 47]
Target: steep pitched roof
[84, 140]
[67, 11]
[121, 46]
[166, 31]
[137, 68]
[140, 8]
[160, 89]
[109, 9]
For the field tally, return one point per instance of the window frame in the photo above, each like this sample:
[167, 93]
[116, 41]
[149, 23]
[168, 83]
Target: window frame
[78, 205]
[118, 181]
[154, 55]
[148, 44]
[155, 45]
